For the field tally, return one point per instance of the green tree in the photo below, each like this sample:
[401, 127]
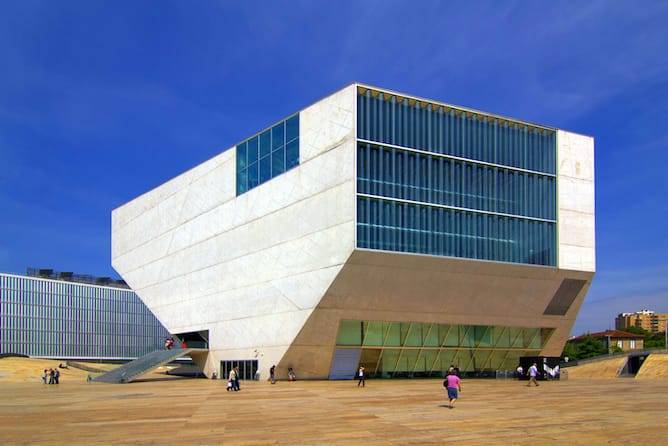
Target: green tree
[655, 340]
[616, 349]
[636, 330]
[570, 351]
[589, 347]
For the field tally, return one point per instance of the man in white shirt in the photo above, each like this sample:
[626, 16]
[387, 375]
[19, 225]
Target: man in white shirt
[533, 373]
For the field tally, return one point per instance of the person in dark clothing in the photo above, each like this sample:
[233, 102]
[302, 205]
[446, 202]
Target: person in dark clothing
[235, 384]
[361, 377]
[272, 374]
[51, 376]
[56, 376]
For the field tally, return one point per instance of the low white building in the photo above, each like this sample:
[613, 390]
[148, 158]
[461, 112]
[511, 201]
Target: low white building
[371, 228]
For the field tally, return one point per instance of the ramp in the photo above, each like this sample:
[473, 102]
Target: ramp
[654, 367]
[134, 369]
[607, 368]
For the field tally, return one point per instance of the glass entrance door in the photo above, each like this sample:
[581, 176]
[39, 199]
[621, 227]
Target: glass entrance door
[247, 368]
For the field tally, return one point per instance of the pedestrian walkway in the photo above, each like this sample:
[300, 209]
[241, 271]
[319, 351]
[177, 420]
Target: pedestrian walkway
[587, 412]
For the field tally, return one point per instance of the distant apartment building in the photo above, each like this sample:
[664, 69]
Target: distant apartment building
[614, 338]
[66, 315]
[646, 319]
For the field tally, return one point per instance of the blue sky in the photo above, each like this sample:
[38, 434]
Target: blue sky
[101, 101]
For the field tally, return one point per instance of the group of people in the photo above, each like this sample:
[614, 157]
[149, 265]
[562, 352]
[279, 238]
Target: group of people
[51, 376]
[233, 380]
[233, 377]
[533, 373]
[169, 343]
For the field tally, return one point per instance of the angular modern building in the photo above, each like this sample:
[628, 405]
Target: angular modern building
[372, 228]
[68, 316]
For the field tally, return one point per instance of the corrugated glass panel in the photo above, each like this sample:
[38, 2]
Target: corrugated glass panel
[418, 228]
[451, 131]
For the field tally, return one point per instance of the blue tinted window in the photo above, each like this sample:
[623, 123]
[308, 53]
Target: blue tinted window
[498, 203]
[405, 227]
[265, 169]
[265, 143]
[278, 162]
[291, 154]
[263, 157]
[409, 123]
[436, 179]
[242, 181]
[278, 136]
[253, 175]
[252, 150]
[292, 128]
[241, 156]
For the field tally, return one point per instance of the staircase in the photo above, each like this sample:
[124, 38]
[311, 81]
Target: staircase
[134, 369]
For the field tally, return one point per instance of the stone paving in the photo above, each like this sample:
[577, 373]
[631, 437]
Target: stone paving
[202, 412]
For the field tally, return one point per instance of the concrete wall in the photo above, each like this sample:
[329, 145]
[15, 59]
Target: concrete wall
[250, 269]
[378, 286]
[575, 177]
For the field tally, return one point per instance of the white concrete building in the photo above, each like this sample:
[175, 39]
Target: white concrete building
[371, 228]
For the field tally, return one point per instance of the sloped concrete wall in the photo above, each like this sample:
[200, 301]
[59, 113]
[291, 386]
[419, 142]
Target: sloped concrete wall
[249, 269]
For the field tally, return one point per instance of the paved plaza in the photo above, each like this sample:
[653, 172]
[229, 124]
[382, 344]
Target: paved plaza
[192, 411]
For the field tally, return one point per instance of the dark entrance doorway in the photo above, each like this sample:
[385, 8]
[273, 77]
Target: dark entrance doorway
[247, 368]
[634, 363]
[194, 339]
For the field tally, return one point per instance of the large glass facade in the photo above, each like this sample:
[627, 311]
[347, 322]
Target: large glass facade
[268, 154]
[395, 173]
[417, 228]
[406, 122]
[437, 180]
[414, 349]
[62, 319]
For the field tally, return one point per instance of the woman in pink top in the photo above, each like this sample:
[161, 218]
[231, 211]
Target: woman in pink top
[453, 384]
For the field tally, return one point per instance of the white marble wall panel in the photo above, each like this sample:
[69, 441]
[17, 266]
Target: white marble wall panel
[219, 233]
[251, 268]
[137, 207]
[576, 217]
[311, 252]
[337, 113]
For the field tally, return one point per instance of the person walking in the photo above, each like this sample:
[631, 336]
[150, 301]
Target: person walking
[453, 385]
[236, 379]
[56, 376]
[361, 377]
[231, 379]
[51, 376]
[44, 376]
[533, 373]
[272, 374]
